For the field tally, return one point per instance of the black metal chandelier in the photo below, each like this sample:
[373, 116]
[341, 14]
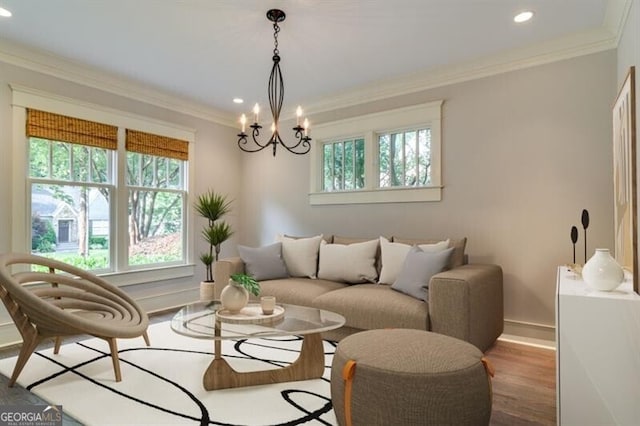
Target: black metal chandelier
[301, 144]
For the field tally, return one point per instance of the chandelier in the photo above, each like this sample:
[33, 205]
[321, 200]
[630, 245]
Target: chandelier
[301, 144]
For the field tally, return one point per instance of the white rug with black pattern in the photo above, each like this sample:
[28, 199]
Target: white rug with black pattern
[162, 384]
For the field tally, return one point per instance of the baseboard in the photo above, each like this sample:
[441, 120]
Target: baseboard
[526, 333]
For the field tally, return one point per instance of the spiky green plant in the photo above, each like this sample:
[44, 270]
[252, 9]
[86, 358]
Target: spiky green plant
[248, 282]
[212, 206]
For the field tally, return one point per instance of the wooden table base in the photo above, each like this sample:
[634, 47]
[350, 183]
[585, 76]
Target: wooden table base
[309, 365]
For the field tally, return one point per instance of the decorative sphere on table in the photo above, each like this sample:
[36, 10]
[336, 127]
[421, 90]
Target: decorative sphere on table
[602, 272]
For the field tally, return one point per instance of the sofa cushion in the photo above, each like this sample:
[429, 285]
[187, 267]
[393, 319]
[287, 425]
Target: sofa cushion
[418, 268]
[353, 263]
[298, 291]
[338, 239]
[372, 306]
[393, 256]
[264, 263]
[301, 255]
[457, 257]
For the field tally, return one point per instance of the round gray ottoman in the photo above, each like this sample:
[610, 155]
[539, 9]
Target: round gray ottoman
[409, 377]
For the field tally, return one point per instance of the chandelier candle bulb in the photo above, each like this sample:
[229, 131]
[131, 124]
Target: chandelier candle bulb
[298, 114]
[243, 121]
[256, 112]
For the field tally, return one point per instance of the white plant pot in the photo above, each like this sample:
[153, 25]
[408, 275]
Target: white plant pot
[602, 272]
[234, 297]
[207, 290]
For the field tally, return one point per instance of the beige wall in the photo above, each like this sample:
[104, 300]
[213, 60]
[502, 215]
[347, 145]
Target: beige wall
[523, 153]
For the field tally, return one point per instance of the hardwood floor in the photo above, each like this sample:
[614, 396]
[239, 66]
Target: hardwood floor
[524, 385]
[524, 390]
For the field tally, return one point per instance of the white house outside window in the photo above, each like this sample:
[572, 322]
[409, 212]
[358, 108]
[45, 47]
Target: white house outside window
[392, 156]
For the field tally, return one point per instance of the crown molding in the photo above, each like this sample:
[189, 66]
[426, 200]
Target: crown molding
[604, 38]
[565, 48]
[39, 61]
[615, 17]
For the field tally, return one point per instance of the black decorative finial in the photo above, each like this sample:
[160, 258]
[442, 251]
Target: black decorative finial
[585, 225]
[574, 240]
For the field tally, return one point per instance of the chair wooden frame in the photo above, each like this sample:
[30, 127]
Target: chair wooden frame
[56, 300]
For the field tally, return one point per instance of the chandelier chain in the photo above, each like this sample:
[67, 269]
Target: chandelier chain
[276, 30]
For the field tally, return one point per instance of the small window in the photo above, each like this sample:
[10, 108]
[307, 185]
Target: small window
[391, 156]
[343, 165]
[404, 158]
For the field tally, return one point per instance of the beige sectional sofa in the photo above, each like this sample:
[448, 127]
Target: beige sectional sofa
[464, 301]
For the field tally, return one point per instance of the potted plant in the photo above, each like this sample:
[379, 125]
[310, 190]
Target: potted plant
[212, 206]
[235, 295]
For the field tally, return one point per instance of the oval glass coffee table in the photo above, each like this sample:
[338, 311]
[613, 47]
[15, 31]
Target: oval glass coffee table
[199, 320]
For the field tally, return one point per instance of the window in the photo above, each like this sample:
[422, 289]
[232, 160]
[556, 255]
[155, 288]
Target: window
[393, 156]
[404, 158]
[157, 196]
[102, 196]
[343, 165]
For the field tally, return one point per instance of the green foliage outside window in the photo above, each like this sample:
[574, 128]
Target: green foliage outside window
[74, 177]
[43, 236]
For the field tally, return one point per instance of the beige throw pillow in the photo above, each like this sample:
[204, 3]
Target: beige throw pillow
[394, 255]
[301, 255]
[352, 263]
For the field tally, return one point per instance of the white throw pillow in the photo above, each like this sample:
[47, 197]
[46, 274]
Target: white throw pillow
[351, 263]
[393, 256]
[301, 255]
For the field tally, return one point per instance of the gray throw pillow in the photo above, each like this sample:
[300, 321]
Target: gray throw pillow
[264, 263]
[418, 268]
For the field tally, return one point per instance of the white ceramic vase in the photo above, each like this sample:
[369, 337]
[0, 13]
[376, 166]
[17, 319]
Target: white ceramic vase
[602, 272]
[234, 297]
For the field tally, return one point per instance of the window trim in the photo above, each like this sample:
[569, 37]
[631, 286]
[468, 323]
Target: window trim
[23, 98]
[369, 126]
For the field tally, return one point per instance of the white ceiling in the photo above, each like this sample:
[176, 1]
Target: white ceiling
[207, 52]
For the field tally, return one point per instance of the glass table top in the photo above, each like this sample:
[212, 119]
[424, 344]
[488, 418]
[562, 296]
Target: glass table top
[199, 320]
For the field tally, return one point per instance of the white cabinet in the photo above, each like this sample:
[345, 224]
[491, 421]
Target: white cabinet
[598, 353]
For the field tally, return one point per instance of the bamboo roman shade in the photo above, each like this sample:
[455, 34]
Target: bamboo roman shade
[148, 143]
[46, 125]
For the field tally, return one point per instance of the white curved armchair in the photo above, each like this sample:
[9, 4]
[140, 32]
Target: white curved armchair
[62, 301]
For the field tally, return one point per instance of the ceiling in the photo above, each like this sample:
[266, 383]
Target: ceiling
[206, 52]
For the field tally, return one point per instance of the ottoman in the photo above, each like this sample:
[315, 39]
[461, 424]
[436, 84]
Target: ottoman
[409, 377]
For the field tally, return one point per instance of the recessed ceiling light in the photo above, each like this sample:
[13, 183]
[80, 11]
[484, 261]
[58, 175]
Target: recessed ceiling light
[523, 16]
[4, 12]
[238, 100]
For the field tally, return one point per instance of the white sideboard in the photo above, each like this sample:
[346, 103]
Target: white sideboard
[598, 353]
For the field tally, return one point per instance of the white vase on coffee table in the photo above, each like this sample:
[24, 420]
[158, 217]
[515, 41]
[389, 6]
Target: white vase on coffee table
[234, 297]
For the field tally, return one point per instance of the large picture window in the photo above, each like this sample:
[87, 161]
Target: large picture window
[392, 156]
[101, 196]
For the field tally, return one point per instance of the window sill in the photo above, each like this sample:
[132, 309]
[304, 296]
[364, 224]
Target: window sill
[140, 276]
[390, 195]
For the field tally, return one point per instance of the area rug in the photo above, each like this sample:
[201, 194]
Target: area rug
[162, 384]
